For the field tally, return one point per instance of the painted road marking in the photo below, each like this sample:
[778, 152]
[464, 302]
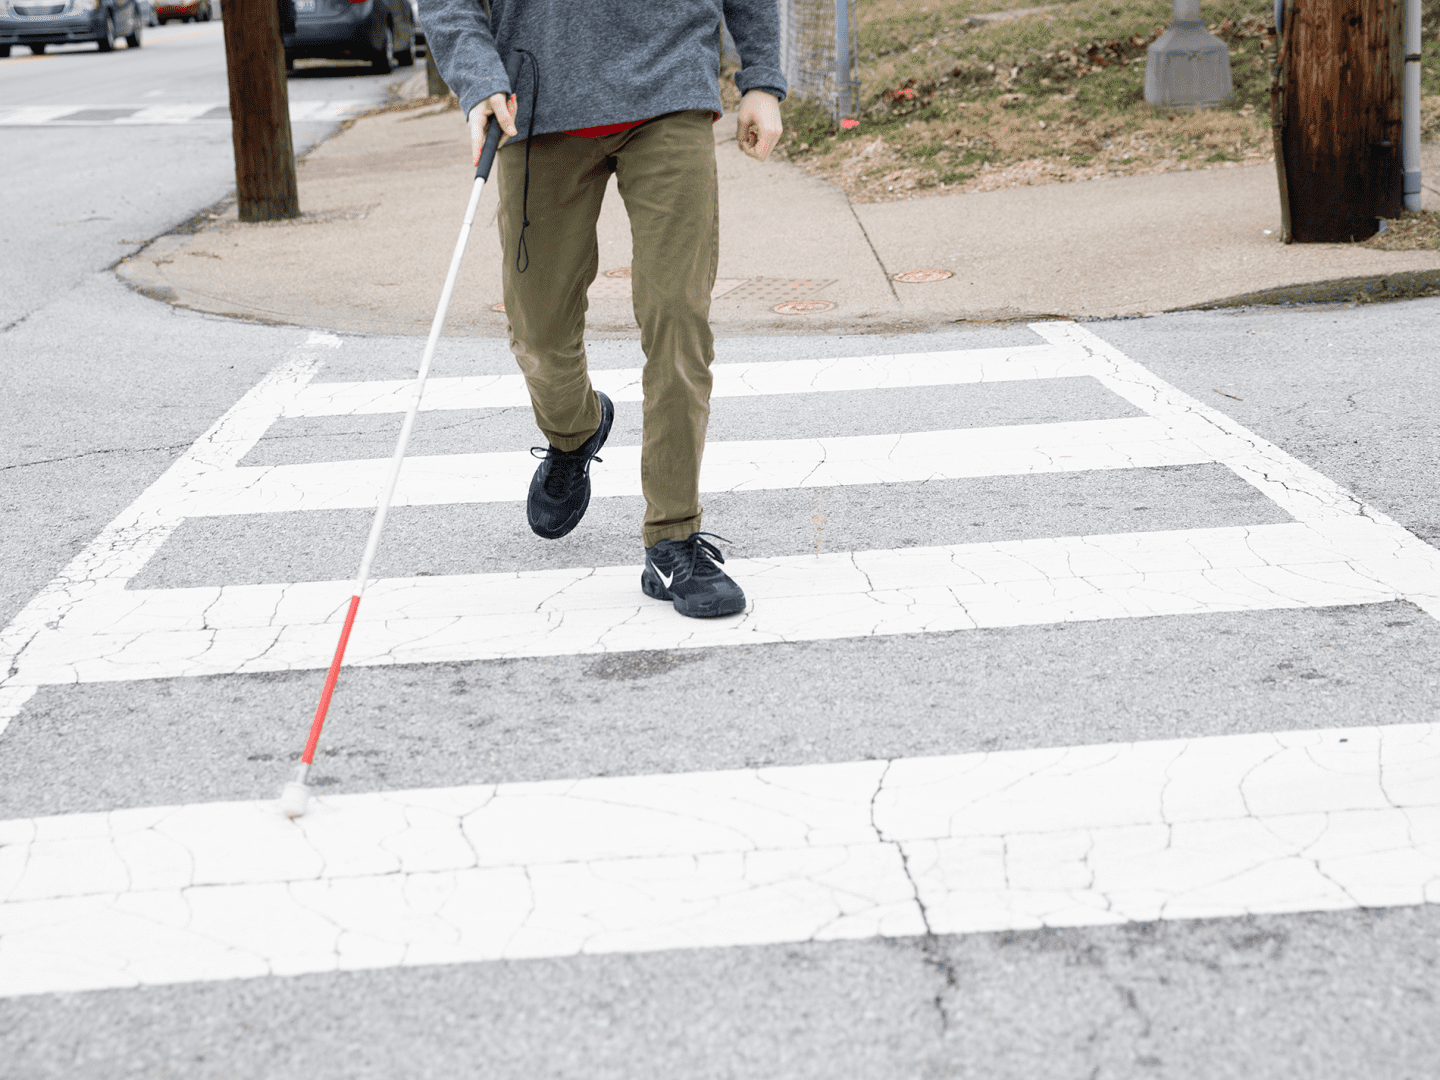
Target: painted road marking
[125, 545]
[427, 480]
[1093, 835]
[119, 634]
[903, 370]
[112, 115]
[86, 625]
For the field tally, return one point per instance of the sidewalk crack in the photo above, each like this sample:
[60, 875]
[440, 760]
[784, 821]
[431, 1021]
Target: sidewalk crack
[878, 261]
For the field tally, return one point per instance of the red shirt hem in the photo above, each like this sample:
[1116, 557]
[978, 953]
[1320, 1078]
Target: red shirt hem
[607, 129]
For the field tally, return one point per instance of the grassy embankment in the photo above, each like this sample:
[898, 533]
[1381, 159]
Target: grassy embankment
[973, 95]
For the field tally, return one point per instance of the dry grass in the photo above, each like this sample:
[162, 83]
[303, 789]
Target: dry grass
[1430, 117]
[1417, 230]
[1018, 141]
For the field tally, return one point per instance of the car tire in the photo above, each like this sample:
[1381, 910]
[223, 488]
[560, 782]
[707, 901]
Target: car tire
[107, 43]
[132, 39]
[4, 51]
[384, 61]
[406, 57]
[37, 50]
[289, 62]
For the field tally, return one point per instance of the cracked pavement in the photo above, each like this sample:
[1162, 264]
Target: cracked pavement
[1036, 788]
[1119, 833]
[87, 627]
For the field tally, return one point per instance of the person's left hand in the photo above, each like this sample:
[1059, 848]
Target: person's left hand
[759, 128]
[502, 110]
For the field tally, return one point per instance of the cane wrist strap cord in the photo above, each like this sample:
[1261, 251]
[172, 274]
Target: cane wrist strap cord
[522, 248]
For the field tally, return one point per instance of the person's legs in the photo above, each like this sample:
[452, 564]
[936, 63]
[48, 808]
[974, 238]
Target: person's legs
[545, 304]
[666, 174]
[548, 266]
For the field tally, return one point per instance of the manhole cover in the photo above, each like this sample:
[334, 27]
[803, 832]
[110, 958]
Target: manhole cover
[777, 290]
[803, 307]
[919, 277]
[497, 307]
[619, 271]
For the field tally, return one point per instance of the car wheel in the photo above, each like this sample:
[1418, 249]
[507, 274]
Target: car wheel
[107, 43]
[384, 61]
[4, 51]
[37, 50]
[132, 39]
[289, 62]
[406, 57]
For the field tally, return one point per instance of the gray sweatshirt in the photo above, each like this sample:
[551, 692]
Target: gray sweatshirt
[601, 61]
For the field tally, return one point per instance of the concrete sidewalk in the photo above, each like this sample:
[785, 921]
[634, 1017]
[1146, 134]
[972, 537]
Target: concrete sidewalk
[383, 202]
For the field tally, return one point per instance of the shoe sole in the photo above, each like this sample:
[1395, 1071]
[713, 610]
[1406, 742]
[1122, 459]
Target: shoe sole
[701, 608]
[607, 420]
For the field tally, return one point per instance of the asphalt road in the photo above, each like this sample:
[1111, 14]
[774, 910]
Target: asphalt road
[84, 195]
[104, 390]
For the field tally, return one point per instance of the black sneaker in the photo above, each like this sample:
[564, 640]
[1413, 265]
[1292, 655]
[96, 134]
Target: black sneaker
[684, 571]
[560, 488]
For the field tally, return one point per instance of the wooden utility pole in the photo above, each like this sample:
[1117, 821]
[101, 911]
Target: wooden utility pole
[259, 111]
[434, 83]
[1340, 111]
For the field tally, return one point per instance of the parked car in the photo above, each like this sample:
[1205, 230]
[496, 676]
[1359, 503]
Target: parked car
[380, 31]
[147, 13]
[184, 10]
[39, 23]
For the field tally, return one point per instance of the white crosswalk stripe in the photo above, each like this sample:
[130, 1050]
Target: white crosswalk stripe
[729, 466]
[215, 891]
[1303, 821]
[160, 115]
[120, 634]
[847, 373]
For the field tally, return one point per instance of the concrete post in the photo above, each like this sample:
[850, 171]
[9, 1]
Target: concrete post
[1187, 66]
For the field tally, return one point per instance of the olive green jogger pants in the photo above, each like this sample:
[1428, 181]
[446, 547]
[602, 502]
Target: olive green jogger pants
[665, 170]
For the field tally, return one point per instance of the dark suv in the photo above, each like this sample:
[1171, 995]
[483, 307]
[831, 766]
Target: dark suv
[380, 31]
[39, 23]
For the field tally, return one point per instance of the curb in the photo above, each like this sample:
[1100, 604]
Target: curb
[1377, 288]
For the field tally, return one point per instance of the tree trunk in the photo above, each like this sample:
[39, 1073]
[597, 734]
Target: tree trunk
[259, 111]
[435, 85]
[1342, 111]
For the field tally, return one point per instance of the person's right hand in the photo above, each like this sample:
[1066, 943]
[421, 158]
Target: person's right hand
[498, 106]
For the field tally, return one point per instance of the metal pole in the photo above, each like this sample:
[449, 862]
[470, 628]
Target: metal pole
[844, 83]
[1410, 123]
[1278, 79]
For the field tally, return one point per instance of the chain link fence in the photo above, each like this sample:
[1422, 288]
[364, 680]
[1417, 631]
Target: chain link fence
[808, 50]
[990, 43]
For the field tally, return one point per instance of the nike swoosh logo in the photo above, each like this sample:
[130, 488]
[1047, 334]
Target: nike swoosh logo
[664, 577]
